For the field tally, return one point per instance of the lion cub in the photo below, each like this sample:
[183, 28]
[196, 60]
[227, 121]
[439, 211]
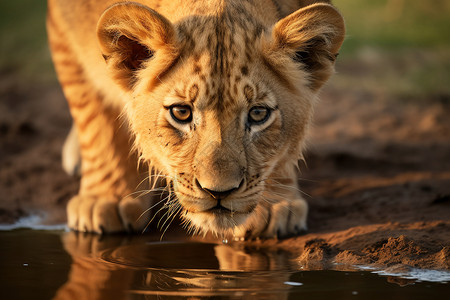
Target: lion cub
[214, 97]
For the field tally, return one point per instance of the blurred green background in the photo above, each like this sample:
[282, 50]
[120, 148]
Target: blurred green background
[400, 47]
[23, 47]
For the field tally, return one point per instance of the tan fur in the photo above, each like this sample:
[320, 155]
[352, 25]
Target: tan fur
[220, 58]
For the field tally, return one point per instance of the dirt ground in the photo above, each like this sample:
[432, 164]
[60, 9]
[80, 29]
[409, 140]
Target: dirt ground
[378, 183]
[377, 177]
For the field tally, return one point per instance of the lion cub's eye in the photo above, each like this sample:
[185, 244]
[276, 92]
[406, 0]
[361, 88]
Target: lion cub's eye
[258, 115]
[181, 113]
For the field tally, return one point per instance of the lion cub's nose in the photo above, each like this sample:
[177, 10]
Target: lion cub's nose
[216, 193]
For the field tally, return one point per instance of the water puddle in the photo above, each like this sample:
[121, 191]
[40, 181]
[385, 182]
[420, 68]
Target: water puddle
[64, 265]
[203, 269]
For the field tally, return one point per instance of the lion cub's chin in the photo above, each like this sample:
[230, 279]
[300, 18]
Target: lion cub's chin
[217, 222]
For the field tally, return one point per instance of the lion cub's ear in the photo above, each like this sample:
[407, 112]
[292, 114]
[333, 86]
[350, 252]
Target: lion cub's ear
[133, 37]
[312, 36]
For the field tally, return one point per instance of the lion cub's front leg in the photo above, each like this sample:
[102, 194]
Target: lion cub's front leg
[281, 213]
[106, 201]
[109, 174]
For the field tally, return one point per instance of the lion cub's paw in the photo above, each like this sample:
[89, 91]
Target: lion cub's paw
[287, 218]
[106, 215]
[278, 220]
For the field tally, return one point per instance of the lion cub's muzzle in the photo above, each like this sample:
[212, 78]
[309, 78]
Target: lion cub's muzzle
[218, 203]
[218, 194]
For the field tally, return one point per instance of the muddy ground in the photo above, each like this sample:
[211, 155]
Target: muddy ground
[377, 177]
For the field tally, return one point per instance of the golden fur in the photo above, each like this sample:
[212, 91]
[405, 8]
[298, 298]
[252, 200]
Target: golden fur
[220, 62]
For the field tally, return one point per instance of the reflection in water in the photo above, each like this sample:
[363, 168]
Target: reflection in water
[116, 267]
[33, 265]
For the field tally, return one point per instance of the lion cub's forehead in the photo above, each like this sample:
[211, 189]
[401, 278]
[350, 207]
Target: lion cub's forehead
[218, 56]
[231, 33]
[202, 87]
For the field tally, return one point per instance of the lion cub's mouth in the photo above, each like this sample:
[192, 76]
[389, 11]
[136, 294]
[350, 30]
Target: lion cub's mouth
[222, 211]
[216, 215]
[219, 209]
[218, 219]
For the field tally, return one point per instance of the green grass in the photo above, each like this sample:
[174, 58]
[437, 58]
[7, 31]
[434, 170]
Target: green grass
[395, 24]
[23, 49]
[399, 47]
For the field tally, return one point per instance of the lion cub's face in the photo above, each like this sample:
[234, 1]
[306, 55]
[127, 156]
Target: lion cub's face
[216, 105]
[218, 136]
